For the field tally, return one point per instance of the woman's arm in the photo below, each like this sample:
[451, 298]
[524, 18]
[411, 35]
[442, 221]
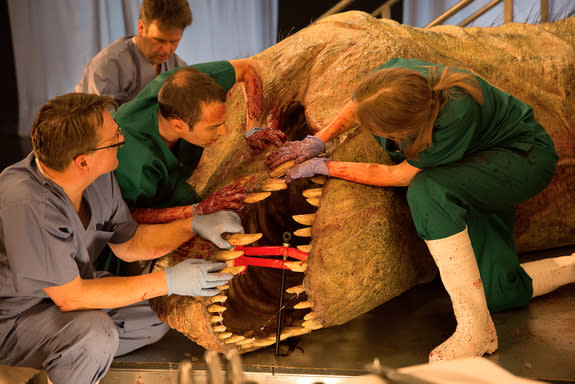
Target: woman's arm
[380, 175]
[342, 122]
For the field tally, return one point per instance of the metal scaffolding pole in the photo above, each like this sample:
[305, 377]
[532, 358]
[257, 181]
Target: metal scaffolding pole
[450, 12]
[480, 12]
[544, 7]
[508, 11]
[336, 8]
[384, 10]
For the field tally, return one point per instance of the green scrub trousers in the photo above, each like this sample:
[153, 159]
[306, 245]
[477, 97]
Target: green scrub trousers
[480, 192]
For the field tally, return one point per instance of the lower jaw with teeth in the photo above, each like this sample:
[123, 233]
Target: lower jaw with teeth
[245, 313]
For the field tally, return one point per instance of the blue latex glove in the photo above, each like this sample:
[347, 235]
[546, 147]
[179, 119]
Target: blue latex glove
[211, 227]
[251, 131]
[310, 168]
[196, 277]
[299, 151]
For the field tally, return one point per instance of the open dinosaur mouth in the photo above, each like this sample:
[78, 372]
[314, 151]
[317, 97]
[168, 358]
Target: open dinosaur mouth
[247, 313]
[345, 229]
[252, 302]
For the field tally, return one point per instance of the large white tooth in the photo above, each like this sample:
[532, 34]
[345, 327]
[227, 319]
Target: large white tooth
[303, 232]
[218, 299]
[288, 332]
[273, 185]
[302, 305]
[246, 342]
[234, 270]
[313, 201]
[220, 328]
[304, 248]
[255, 197]
[216, 319]
[312, 324]
[234, 339]
[312, 192]
[297, 266]
[227, 255]
[296, 289]
[242, 238]
[214, 308]
[225, 335]
[307, 219]
[262, 343]
[281, 169]
[319, 179]
[311, 316]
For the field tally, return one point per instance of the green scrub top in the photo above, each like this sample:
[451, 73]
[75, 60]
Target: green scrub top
[150, 174]
[463, 126]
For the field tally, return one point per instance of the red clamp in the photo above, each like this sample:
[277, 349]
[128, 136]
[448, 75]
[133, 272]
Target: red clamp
[274, 250]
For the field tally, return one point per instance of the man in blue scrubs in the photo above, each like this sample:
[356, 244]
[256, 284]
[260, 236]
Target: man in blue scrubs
[125, 67]
[59, 207]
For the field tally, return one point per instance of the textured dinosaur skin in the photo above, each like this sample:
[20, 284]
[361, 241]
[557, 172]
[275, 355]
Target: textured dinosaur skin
[364, 248]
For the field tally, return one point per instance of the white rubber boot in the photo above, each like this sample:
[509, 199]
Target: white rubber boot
[475, 334]
[550, 274]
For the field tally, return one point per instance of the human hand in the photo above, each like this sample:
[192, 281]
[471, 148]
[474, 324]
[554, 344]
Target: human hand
[309, 168]
[212, 226]
[259, 138]
[196, 277]
[299, 151]
[228, 198]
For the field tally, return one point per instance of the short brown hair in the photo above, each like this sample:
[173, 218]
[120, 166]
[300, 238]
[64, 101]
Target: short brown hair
[168, 14]
[66, 126]
[183, 93]
[401, 103]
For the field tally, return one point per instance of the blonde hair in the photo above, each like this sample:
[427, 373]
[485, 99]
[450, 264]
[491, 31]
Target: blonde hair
[401, 103]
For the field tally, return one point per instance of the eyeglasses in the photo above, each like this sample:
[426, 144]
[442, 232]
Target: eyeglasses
[107, 146]
[119, 133]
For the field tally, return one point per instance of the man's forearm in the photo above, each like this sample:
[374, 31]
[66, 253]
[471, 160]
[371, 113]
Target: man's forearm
[108, 292]
[248, 72]
[161, 215]
[154, 240]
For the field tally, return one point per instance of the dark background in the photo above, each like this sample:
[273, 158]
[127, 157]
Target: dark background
[294, 15]
[9, 93]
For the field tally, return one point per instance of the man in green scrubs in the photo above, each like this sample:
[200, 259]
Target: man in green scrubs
[167, 127]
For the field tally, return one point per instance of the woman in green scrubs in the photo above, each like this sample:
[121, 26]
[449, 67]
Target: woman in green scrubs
[468, 152]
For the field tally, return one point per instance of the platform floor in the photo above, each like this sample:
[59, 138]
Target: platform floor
[537, 342]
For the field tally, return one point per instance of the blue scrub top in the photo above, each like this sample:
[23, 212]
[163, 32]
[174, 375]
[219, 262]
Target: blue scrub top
[43, 242]
[121, 71]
